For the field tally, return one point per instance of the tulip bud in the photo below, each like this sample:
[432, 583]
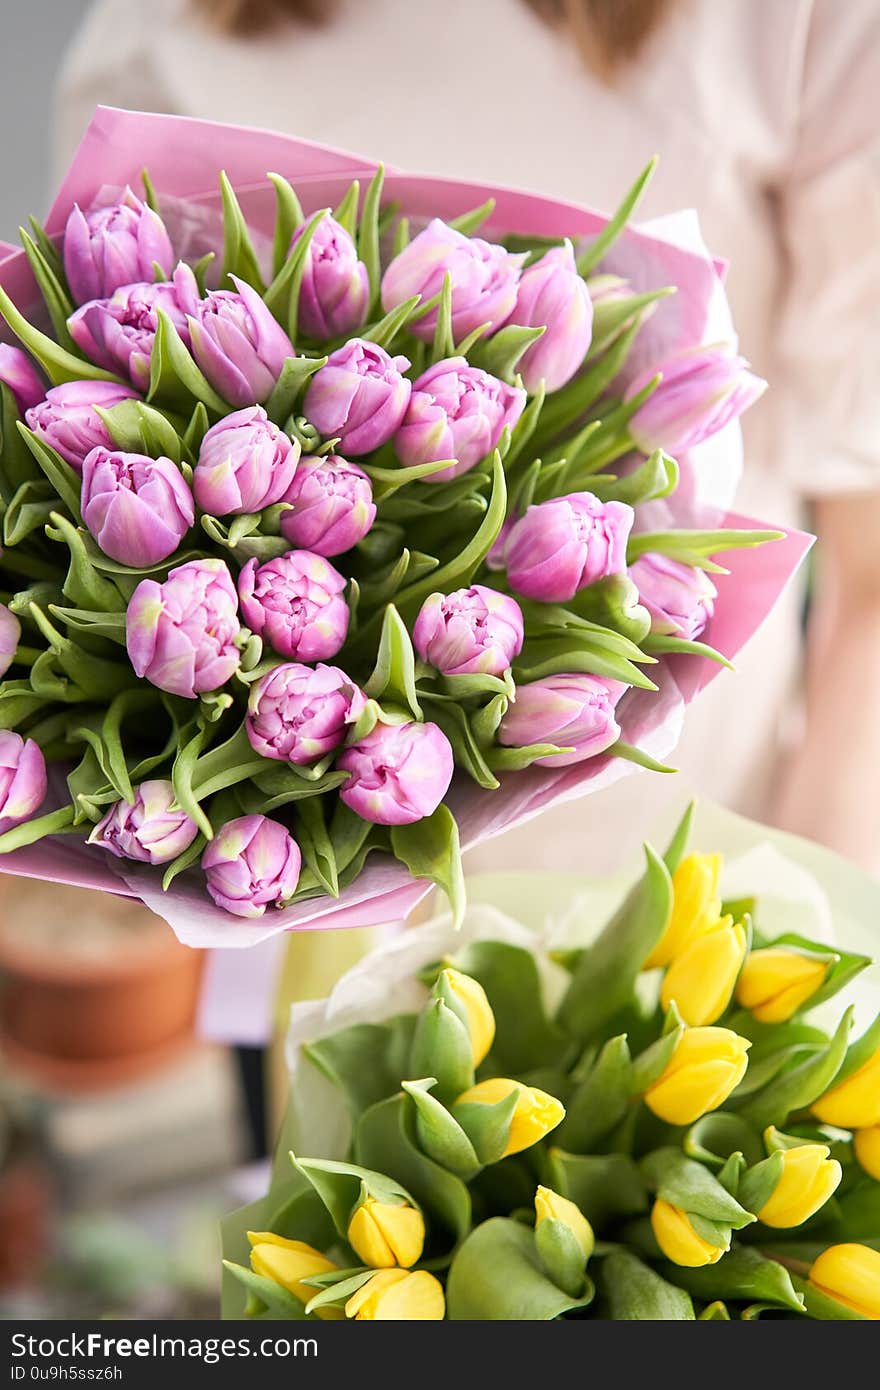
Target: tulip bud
[471, 631]
[850, 1275]
[571, 711]
[553, 296]
[23, 783]
[484, 279]
[702, 390]
[331, 503]
[181, 634]
[560, 546]
[238, 344]
[245, 464]
[866, 1144]
[385, 1234]
[777, 980]
[809, 1177]
[701, 978]
[10, 635]
[456, 412]
[853, 1103]
[359, 398]
[399, 773]
[113, 246]
[18, 372]
[118, 333]
[251, 864]
[138, 509]
[675, 1234]
[288, 1263]
[335, 288]
[298, 714]
[148, 829]
[68, 421]
[549, 1206]
[536, 1112]
[696, 906]
[398, 1295]
[680, 598]
[705, 1067]
[469, 1000]
[295, 603]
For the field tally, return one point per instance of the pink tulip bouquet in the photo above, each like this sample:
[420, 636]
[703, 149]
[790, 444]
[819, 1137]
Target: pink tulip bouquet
[339, 525]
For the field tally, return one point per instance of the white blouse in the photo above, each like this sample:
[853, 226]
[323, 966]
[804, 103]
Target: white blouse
[766, 117]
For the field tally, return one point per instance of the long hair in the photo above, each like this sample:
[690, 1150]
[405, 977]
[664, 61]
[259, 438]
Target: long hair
[609, 33]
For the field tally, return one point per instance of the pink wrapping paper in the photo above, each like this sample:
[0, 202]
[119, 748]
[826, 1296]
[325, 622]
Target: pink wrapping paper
[182, 156]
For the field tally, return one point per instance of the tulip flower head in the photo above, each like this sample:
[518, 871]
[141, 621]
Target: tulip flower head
[118, 333]
[137, 508]
[701, 978]
[149, 829]
[850, 1274]
[469, 1000]
[680, 598]
[553, 296]
[561, 546]
[399, 773]
[245, 464]
[484, 279]
[299, 714]
[696, 906]
[238, 344]
[471, 631]
[575, 712]
[809, 1177]
[776, 981]
[387, 1234]
[295, 603]
[252, 863]
[705, 1067]
[359, 398]
[398, 1295]
[23, 782]
[68, 421]
[679, 1241]
[550, 1206]
[331, 506]
[288, 1263]
[456, 412]
[866, 1146]
[702, 390]
[18, 372]
[10, 635]
[335, 288]
[536, 1113]
[113, 246]
[854, 1102]
[182, 634]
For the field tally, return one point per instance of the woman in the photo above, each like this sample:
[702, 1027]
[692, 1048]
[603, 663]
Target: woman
[763, 113]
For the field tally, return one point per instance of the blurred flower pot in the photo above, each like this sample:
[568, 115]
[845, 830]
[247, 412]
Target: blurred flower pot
[94, 990]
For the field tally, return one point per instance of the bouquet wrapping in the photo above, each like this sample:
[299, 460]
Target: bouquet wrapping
[627, 1101]
[357, 524]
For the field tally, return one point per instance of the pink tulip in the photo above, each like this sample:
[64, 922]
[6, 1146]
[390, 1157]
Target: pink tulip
[18, 372]
[680, 598]
[560, 546]
[359, 398]
[10, 636]
[138, 509]
[335, 289]
[113, 246]
[252, 863]
[470, 631]
[295, 603]
[238, 344]
[68, 421]
[399, 773]
[149, 829]
[554, 297]
[332, 505]
[182, 634]
[118, 333]
[702, 390]
[299, 715]
[456, 412]
[245, 464]
[23, 782]
[484, 279]
[571, 711]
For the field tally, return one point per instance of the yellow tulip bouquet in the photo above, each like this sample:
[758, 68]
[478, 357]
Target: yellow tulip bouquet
[658, 1124]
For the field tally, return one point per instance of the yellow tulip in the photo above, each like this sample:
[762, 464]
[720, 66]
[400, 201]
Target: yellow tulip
[398, 1295]
[809, 1177]
[288, 1262]
[678, 1240]
[866, 1143]
[696, 906]
[549, 1206]
[850, 1274]
[776, 981]
[855, 1102]
[385, 1234]
[707, 1064]
[702, 977]
[478, 1011]
[535, 1115]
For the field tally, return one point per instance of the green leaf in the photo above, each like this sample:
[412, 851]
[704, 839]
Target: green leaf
[663, 644]
[58, 364]
[53, 289]
[574, 651]
[239, 256]
[441, 1048]
[317, 847]
[600, 1101]
[632, 754]
[17, 463]
[656, 477]
[860, 1052]
[430, 849]
[394, 675]
[343, 1186]
[440, 1135]
[613, 314]
[561, 1255]
[695, 547]
[525, 1037]
[798, 1087]
[636, 1293]
[54, 823]
[743, 1274]
[717, 1136]
[496, 1274]
[341, 1059]
[28, 510]
[385, 1139]
[590, 257]
[469, 222]
[387, 328]
[142, 429]
[678, 845]
[84, 585]
[268, 1296]
[443, 345]
[606, 1187]
[174, 375]
[487, 1124]
[288, 217]
[759, 1182]
[58, 471]
[689, 1185]
[604, 976]
[368, 234]
[501, 354]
